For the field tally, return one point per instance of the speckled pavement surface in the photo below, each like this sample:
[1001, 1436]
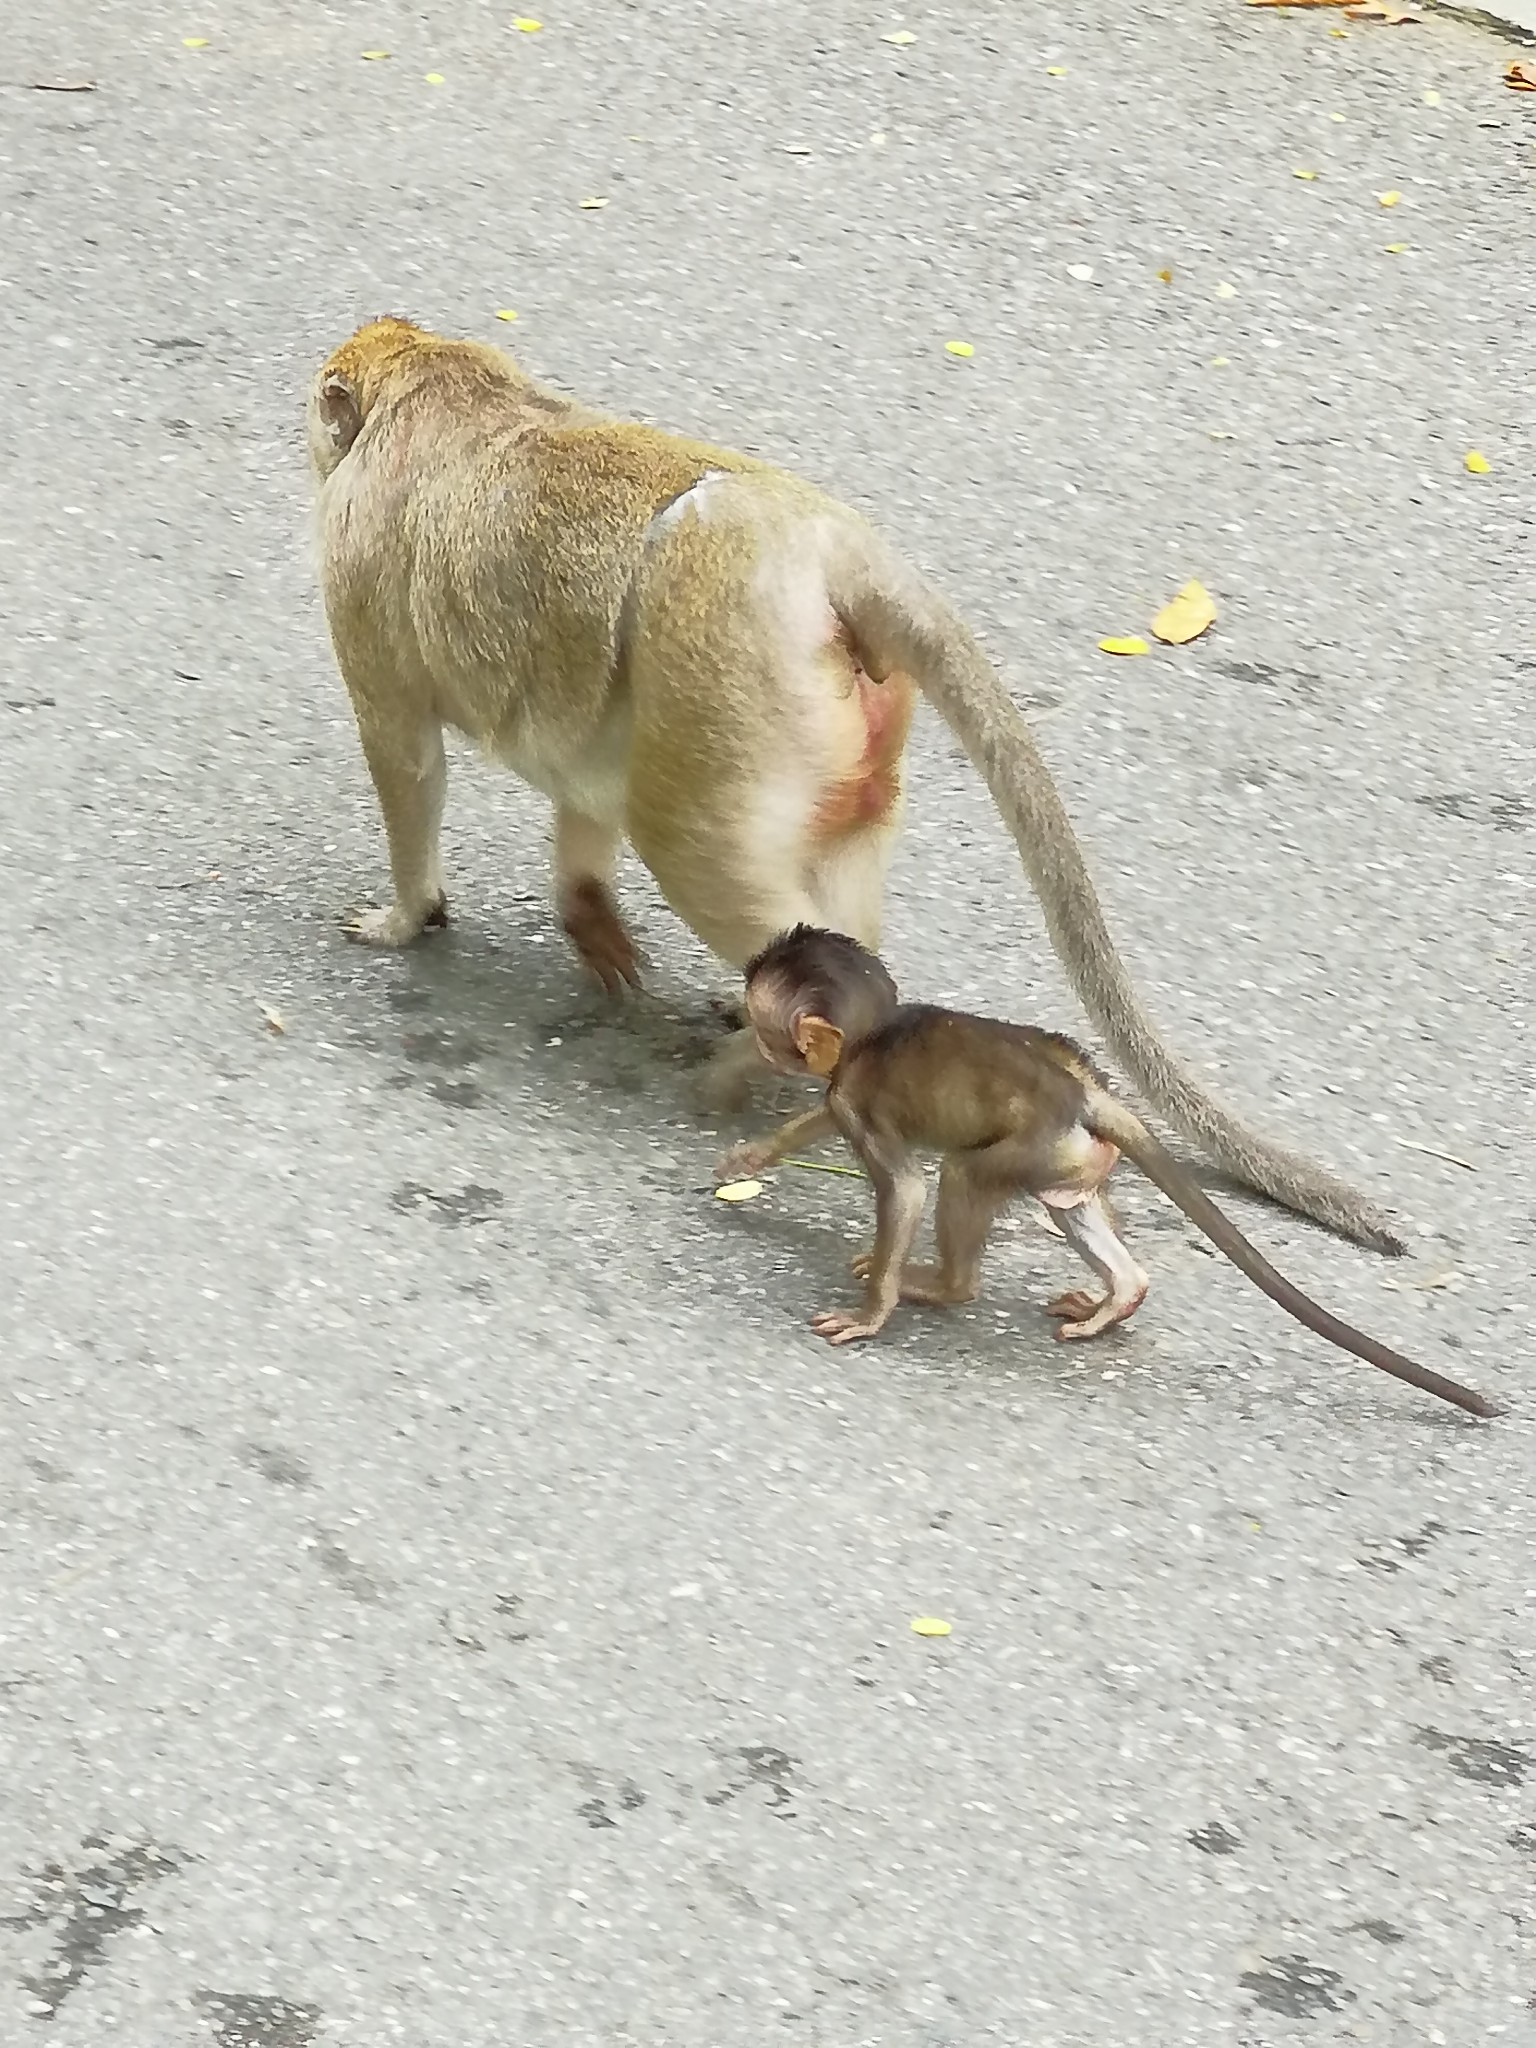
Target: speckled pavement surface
[449, 1598]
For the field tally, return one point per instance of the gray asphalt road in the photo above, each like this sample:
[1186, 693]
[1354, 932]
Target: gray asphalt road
[450, 1598]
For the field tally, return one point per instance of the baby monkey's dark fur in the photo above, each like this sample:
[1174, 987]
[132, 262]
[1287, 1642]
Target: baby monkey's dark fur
[1013, 1111]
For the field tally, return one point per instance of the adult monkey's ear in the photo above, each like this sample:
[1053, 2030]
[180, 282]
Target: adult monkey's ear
[819, 1044]
[340, 413]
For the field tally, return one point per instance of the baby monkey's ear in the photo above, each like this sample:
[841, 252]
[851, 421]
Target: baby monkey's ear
[818, 1043]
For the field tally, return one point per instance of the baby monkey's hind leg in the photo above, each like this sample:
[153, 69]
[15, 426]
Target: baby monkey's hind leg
[1091, 1234]
[967, 1208]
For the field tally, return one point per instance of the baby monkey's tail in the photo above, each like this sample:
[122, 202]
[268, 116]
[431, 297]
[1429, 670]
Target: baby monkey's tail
[1112, 1120]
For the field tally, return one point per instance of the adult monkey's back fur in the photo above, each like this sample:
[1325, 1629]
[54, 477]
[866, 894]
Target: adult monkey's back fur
[690, 649]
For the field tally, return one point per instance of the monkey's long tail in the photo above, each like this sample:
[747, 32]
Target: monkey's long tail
[900, 623]
[1112, 1120]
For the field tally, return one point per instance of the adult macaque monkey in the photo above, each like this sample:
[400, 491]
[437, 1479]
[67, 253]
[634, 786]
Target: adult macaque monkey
[689, 649]
[1013, 1111]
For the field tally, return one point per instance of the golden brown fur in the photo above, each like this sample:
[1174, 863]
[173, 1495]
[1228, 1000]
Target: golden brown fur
[688, 649]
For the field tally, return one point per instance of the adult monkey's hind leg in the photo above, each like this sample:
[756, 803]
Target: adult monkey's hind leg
[586, 855]
[706, 862]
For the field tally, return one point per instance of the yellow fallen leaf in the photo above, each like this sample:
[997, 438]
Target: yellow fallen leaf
[1226, 291]
[1220, 362]
[1521, 76]
[375, 56]
[1129, 644]
[593, 205]
[435, 78]
[739, 1191]
[1186, 616]
[1395, 248]
[1308, 175]
[1388, 198]
[1165, 277]
[505, 313]
[929, 1625]
[1477, 465]
[526, 25]
[900, 37]
[194, 42]
[958, 348]
[1055, 70]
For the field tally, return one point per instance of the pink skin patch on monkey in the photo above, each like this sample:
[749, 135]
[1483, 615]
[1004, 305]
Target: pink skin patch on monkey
[1094, 1160]
[869, 792]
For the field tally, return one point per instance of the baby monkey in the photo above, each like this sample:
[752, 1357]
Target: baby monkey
[1013, 1111]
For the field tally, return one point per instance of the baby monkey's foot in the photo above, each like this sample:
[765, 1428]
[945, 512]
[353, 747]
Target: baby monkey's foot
[922, 1286]
[1086, 1314]
[396, 926]
[840, 1326]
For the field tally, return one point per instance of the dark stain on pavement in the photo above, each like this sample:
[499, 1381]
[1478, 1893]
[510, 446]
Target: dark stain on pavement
[1475, 1758]
[471, 1204]
[244, 2020]
[86, 1907]
[1295, 1987]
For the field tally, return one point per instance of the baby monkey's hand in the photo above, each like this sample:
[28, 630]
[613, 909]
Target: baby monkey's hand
[745, 1159]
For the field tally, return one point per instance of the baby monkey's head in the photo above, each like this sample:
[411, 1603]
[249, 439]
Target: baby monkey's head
[811, 994]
